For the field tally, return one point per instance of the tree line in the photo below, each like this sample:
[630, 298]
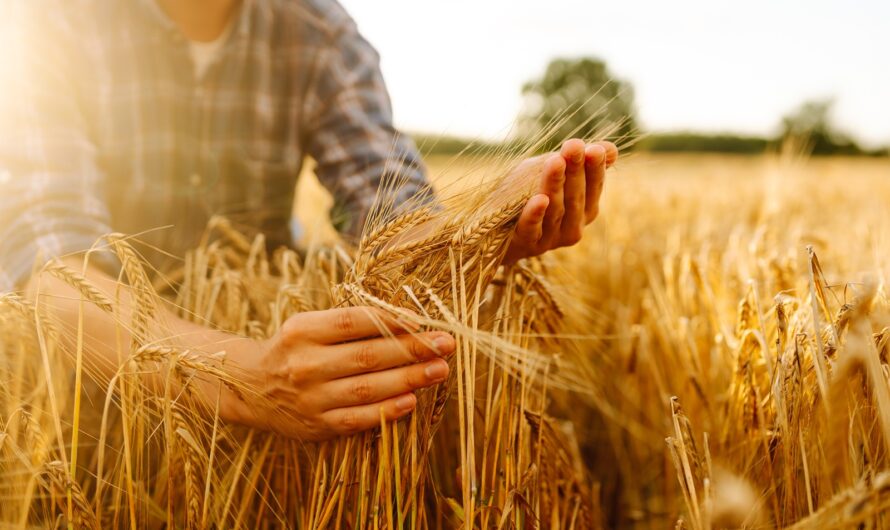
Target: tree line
[580, 97]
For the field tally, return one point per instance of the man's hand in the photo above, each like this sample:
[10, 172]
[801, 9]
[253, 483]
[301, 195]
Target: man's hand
[569, 189]
[329, 373]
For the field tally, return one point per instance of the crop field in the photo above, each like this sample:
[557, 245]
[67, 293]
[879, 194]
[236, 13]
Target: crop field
[713, 354]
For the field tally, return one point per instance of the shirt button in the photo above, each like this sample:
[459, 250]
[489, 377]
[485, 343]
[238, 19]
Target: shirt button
[195, 180]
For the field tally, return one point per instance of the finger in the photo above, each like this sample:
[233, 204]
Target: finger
[377, 386]
[595, 168]
[360, 357]
[343, 324]
[552, 185]
[529, 227]
[350, 420]
[611, 152]
[573, 153]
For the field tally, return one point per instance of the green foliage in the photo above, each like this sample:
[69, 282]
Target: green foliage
[577, 98]
[705, 143]
[668, 142]
[811, 125]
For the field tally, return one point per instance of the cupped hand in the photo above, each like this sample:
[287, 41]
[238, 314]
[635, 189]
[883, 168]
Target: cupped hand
[569, 186]
[331, 373]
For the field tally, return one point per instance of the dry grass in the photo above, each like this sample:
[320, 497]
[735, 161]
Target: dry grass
[693, 312]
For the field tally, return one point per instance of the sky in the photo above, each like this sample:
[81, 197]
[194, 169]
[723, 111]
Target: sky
[456, 67]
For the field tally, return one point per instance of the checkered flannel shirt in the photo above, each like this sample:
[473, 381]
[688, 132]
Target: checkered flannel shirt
[104, 127]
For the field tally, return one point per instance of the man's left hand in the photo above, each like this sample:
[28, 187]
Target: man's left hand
[567, 198]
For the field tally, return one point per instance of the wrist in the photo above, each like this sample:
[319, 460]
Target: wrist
[239, 367]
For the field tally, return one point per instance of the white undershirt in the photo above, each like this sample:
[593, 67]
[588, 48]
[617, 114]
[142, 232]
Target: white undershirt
[205, 53]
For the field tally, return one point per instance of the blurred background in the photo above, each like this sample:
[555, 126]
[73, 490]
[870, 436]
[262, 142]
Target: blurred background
[694, 75]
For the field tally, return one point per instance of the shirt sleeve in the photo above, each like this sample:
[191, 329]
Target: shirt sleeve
[51, 188]
[359, 154]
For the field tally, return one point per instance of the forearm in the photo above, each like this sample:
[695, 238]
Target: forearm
[106, 338]
[323, 374]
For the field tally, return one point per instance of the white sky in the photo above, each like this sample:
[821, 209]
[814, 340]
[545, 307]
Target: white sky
[456, 66]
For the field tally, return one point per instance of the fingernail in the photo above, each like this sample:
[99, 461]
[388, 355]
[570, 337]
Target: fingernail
[443, 344]
[406, 402]
[597, 153]
[577, 155]
[436, 371]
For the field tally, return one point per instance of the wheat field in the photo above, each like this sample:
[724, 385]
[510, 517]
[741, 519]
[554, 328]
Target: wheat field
[747, 297]
[714, 354]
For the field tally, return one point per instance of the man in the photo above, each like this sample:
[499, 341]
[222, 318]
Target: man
[129, 115]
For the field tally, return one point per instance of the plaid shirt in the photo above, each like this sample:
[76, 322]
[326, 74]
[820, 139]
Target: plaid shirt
[104, 127]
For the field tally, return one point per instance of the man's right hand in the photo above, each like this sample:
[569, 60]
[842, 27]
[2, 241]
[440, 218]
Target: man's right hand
[329, 373]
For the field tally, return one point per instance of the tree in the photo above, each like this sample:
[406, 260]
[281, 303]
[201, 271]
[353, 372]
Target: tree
[811, 125]
[577, 98]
